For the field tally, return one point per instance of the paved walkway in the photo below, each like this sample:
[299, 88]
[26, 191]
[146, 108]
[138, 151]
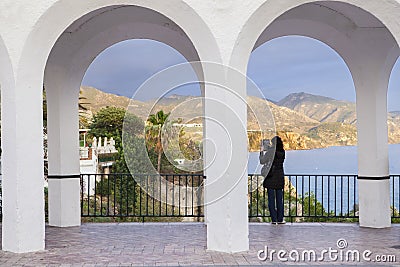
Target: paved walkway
[133, 244]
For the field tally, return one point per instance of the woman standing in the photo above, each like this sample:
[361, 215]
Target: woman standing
[275, 181]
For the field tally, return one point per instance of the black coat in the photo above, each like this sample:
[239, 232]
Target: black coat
[276, 177]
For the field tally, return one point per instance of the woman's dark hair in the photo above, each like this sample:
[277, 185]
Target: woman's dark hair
[278, 142]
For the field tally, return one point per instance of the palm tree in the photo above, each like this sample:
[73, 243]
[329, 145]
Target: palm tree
[83, 117]
[153, 132]
[80, 103]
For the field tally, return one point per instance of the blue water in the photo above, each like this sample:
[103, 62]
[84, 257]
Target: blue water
[332, 160]
[337, 194]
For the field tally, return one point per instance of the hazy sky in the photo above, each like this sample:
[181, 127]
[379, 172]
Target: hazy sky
[280, 67]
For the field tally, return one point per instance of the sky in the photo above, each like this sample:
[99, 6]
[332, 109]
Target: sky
[279, 67]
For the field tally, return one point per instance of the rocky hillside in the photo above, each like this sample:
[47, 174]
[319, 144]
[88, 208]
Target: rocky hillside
[394, 127]
[97, 99]
[329, 110]
[304, 121]
[286, 119]
[321, 108]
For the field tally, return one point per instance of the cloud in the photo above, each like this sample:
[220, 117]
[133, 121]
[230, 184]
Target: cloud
[279, 67]
[292, 64]
[123, 67]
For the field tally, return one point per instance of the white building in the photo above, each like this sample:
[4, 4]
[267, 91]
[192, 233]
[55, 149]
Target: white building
[96, 159]
[52, 42]
[188, 125]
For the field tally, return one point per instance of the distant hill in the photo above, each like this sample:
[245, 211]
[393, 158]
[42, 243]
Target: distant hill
[321, 108]
[285, 118]
[334, 134]
[329, 110]
[98, 99]
[303, 120]
[394, 127]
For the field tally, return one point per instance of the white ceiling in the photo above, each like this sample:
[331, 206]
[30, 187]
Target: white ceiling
[359, 16]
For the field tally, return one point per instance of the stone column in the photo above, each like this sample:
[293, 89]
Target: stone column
[373, 161]
[371, 60]
[22, 165]
[63, 148]
[226, 164]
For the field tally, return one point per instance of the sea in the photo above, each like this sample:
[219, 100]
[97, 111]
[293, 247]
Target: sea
[325, 161]
[315, 170]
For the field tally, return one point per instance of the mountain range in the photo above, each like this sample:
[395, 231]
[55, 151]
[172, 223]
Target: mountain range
[304, 121]
[321, 108]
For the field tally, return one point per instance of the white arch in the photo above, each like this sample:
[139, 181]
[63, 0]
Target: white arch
[336, 39]
[75, 51]
[359, 32]
[324, 33]
[258, 22]
[18, 216]
[64, 13]
[60, 14]
[71, 55]
[6, 69]
[28, 85]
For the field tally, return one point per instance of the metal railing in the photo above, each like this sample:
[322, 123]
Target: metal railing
[152, 197]
[395, 196]
[316, 197]
[142, 196]
[309, 197]
[306, 197]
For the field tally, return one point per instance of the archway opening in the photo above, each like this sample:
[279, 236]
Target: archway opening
[110, 35]
[109, 86]
[356, 35]
[311, 95]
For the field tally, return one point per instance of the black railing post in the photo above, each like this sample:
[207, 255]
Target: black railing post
[108, 196]
[264, 196]
[341, 195]
[82, 190]
[250, 188]
[115, 193]
[354, 194]
[322, 195]
[290, 197]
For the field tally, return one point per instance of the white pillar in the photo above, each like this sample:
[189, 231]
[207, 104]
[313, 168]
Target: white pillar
[63, 148]
[373, 162]
[22, 166]
[371, 66]
[226, 168]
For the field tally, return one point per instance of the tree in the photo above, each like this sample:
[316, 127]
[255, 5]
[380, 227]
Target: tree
[122, 126]
[81, 105]
[153, 133]
[109, 122]
[84, 116]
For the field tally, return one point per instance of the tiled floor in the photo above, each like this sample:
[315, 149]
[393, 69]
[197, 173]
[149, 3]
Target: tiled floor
[174, 244]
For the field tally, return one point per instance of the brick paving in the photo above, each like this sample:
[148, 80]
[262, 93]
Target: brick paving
[177, 244]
